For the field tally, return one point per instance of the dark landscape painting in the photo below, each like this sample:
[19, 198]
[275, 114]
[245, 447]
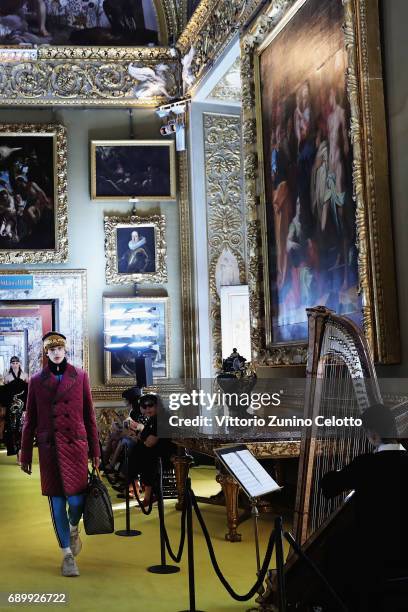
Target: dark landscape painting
[79, 22]
[27, 184]
[131, 169]
[310, 211]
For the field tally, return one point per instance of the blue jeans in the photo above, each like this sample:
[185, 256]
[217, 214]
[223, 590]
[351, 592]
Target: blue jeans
[61, 518]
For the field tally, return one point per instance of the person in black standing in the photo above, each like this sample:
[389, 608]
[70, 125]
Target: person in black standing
[14, 397]
[381, 527]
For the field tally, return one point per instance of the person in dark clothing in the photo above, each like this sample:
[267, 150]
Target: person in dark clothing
[14, 396]
[379, 483]
[143, 460]
[124, 431]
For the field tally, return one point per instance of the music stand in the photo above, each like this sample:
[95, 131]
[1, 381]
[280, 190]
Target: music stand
[254, 480]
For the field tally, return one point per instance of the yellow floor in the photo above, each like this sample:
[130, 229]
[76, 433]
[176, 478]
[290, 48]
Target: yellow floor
[113, 569]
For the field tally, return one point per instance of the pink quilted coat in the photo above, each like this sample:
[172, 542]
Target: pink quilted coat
[61, 417]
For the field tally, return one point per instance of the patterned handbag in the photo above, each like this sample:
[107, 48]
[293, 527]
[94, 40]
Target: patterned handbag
[98, 513]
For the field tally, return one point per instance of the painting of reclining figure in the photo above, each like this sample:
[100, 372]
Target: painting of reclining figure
[80, 22]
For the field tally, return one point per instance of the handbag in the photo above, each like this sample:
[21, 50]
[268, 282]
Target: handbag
[98, 513]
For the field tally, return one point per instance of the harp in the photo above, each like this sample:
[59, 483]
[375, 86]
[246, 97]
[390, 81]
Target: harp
[341, 383]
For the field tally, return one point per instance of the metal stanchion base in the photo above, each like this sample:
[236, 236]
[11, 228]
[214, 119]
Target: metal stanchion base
[163, 569]
[191, 610]
[128, 534]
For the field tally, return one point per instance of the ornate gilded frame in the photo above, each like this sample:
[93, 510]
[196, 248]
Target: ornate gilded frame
[135, 143]
[118, 381]
[377, 281]
[60, 253]
[112, 224]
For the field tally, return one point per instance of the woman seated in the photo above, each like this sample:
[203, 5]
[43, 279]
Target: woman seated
[143, 458]
[124, 432]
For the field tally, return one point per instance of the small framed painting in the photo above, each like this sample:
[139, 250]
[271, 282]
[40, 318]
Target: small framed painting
[133, 169]
[135, 249]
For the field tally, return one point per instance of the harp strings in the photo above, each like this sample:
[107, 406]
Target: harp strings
[335, 446]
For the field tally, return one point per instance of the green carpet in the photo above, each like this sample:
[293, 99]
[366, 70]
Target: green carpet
[113, 569]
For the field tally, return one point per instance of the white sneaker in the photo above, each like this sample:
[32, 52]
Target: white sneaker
[75, 543]
[69, 567]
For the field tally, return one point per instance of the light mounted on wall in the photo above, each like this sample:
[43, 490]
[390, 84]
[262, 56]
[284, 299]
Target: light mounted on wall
[173, 116]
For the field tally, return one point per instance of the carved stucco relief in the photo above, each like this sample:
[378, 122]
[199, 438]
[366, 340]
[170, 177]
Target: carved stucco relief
[225, 214]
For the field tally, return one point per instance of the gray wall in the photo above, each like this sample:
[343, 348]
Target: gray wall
[86, 231]
[395, 45]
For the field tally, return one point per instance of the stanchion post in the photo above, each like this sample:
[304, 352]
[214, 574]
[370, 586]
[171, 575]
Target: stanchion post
[190, 547]
[280, 564]
[163, 568]
[128, 532]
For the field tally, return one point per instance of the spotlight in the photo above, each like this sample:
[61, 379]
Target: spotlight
[168, 129]
[175, 124]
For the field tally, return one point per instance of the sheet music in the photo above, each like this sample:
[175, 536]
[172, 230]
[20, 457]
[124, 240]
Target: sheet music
[250, 473]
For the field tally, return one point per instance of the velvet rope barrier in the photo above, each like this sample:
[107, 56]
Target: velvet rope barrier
[176, 557]
[223, 580]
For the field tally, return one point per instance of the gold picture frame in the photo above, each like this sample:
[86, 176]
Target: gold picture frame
[34, 219]
[370, 188]
[135, 249]
[123, 170]
[154, 314]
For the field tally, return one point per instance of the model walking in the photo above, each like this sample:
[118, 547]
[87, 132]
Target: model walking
[61, 416]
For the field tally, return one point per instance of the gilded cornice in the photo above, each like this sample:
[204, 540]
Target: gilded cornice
[90, 77]
[212, 27]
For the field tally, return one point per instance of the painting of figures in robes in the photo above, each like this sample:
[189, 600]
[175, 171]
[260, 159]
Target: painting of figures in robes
[27, 191]
[307, 156]
[80, 22]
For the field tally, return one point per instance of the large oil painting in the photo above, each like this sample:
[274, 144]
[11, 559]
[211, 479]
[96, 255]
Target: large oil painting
[33, 200]
[81, 22]
[310, 212]
[27, 192]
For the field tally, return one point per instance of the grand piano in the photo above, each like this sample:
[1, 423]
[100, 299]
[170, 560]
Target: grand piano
[277, 447]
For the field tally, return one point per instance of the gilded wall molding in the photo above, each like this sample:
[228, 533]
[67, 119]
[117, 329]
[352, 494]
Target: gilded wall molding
[229, 87]
[225, 214]
[187, 294]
